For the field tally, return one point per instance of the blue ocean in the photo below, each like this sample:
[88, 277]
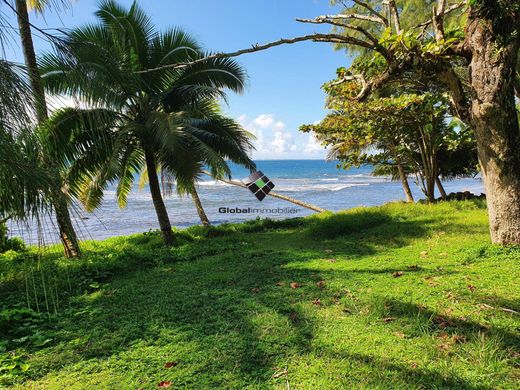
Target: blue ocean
[313, 181]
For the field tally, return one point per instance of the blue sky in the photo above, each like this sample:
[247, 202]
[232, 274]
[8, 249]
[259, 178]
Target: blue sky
[284, 83]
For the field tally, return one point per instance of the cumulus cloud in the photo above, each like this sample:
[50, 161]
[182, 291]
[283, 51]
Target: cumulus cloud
[275, 141]
[313, 146]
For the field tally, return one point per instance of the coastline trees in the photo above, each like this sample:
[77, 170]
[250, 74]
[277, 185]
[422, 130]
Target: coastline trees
[156, 120]
[476, 66]
[400, 134]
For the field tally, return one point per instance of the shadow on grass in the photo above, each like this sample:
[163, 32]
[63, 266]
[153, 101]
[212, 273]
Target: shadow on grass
[228, 292]
[460, 326]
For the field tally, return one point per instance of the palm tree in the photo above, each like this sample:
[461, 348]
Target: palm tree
[58, 195]
[138, 119]
[233, 141]
[23, 181]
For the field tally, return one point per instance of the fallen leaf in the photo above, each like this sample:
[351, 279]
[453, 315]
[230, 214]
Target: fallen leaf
[328, 250]
[424, 253]
[295, 285]
[401, 335]
[321, 284]
[164, 384]
[445, 347]
[170, 364]
[255, 290]
[397, 274]
[317, 302]
[413, 365]
[471, 287]
[443, 254]
[331, 260]
[347, 311]
[389, 319]
[414, 266]
[280, 284]
[442, 322]
[459, 339]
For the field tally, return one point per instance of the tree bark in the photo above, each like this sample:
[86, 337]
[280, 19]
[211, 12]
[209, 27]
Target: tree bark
[406, 185]
[441, 188]
[495, 121]
[429, 164]
[198, 205]
[68, 235]
[158, 202]
[30, 60]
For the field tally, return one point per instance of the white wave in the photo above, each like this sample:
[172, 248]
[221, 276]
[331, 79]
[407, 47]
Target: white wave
[334, 179]
[212, 183]
[318, 187]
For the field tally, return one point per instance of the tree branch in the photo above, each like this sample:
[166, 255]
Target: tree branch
[446, 11]
[376, 82]
[438, 20]
[395, 16]
[457, 93]
[372, 11]
[332, 38]
[339, 24]
[355, 16]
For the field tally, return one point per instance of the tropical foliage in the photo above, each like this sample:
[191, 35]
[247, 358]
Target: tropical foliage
[166, 120]
[402, 133]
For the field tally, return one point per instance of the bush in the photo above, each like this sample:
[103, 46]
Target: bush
[6, 244]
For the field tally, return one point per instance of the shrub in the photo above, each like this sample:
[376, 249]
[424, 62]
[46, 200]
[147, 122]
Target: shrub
[6, 244]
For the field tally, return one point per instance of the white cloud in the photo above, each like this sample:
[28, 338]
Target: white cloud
[313, 146]
[275, 141]
[263, 121]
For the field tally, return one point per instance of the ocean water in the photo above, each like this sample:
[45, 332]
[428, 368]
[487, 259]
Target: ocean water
[313, 181]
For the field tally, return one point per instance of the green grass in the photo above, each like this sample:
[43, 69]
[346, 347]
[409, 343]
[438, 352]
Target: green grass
[221, 306]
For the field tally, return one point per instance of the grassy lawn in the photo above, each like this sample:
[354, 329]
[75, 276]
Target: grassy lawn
[401, 296]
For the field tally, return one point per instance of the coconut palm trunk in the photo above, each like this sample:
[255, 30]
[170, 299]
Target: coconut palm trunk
[68, 235]
[198, 205]
[158, 202]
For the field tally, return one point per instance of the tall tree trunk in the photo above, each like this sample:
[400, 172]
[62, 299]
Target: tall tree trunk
[158, 202]
[428, 166]
[404, 181]
[70, 241]
[198, 205]
[494, 118]
[430, 189]
[29, 54]
[68, 235]
[441, 188]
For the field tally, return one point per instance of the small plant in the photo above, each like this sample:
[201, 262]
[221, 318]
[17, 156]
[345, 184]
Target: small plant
[12, 366]
[6, 243]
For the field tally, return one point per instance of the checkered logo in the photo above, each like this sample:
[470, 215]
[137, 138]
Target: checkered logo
[259, 185]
